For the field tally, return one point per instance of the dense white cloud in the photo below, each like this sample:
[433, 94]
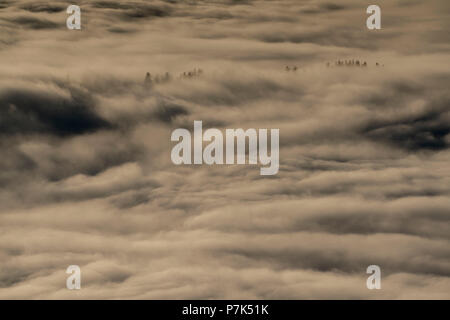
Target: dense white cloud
[86, 176]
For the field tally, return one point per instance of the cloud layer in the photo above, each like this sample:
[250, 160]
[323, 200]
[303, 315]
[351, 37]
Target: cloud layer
[86, 176]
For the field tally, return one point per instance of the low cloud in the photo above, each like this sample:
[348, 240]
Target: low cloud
[86, 176]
